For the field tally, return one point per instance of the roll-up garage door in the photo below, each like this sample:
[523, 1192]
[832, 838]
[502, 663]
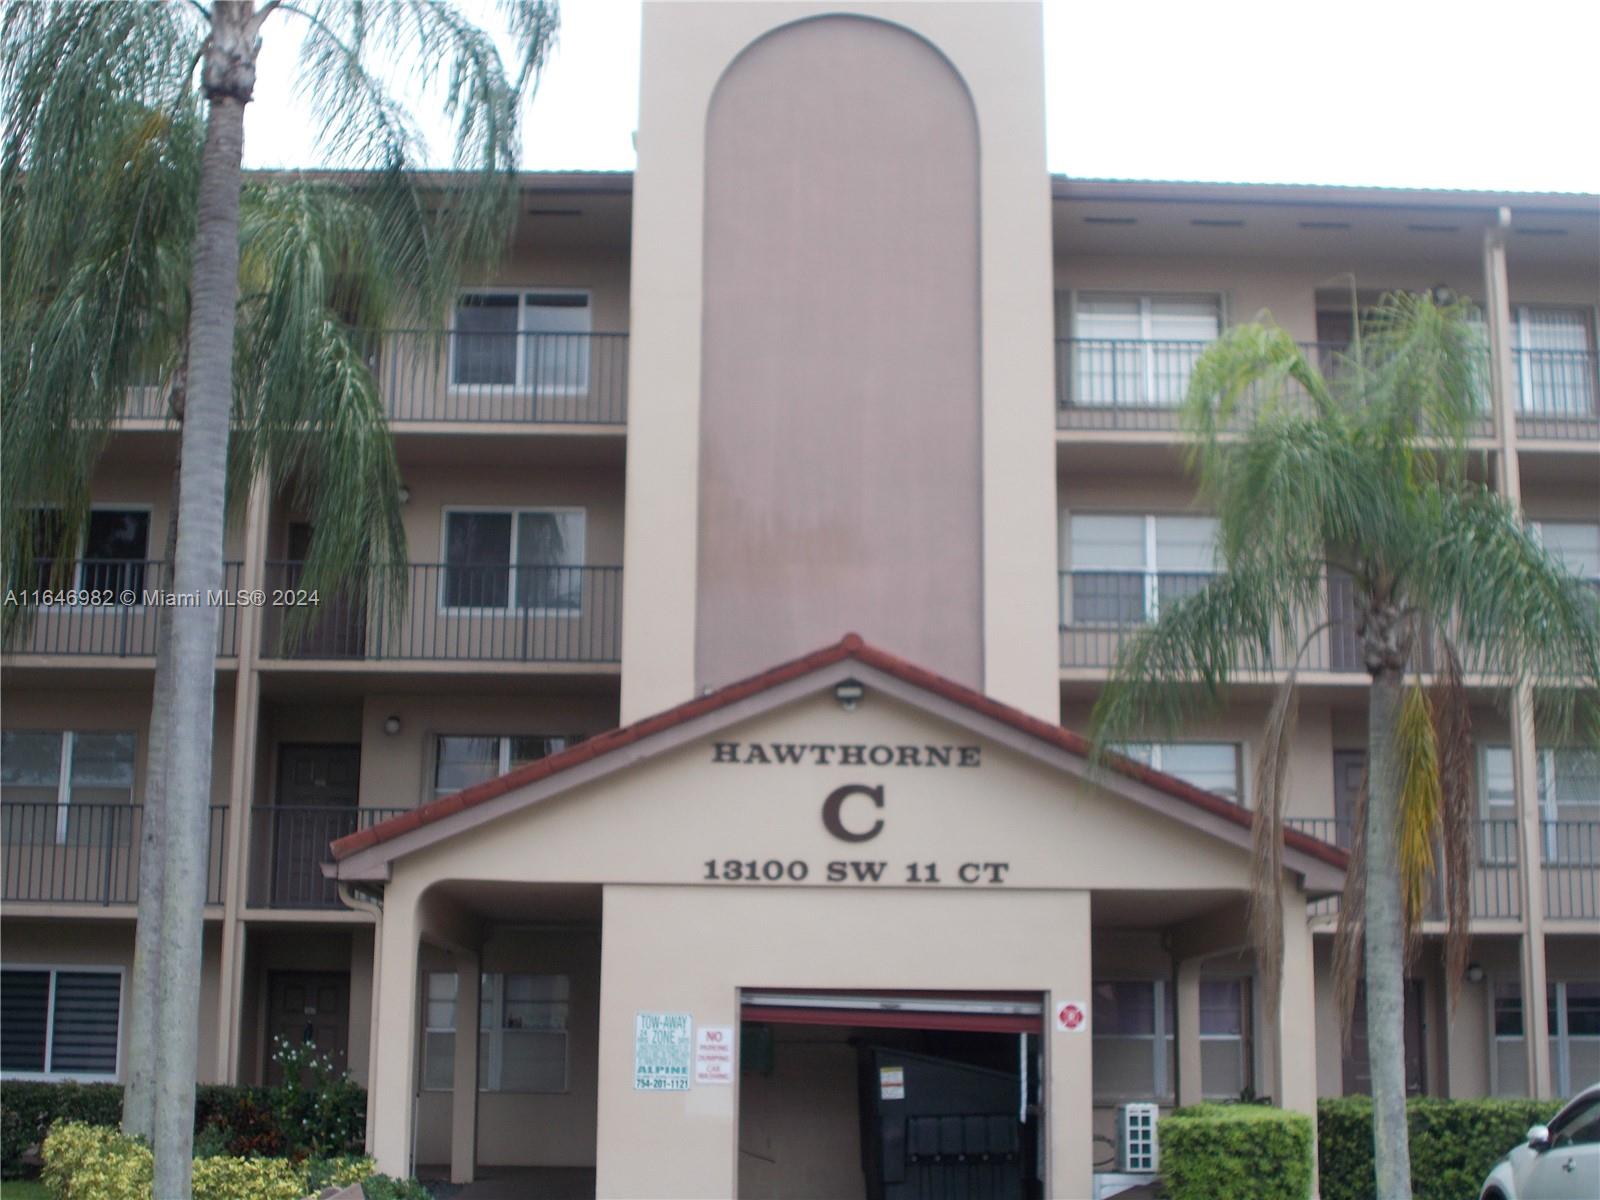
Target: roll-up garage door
[970, 1012]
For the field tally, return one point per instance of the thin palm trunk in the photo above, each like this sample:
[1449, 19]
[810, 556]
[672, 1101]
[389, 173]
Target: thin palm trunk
[229, 77]
[1385, 943]
[138, 1098]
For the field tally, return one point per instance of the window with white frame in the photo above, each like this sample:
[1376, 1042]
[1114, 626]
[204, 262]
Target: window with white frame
[1569, 800]
[60, 1023]
[1575, 543]
[1135, 1048]
[1139, 350]
[513, 559]
[536, 340]
[110, 553]
[462, 760]
[522, 1032]
[1124, 566]
[66, 787]
[1555, 361]
[1497, 843]
[1572, 1008]
[1210, 766]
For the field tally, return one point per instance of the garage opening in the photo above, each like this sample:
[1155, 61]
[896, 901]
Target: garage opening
[890, 1096]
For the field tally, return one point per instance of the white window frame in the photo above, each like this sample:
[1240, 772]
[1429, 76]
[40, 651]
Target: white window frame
[1245, 1038]
[1527, 393]
[47, 1075]
[82, 536]
[1537, 528]
[1548, 813]
[1159, 1038]
[1560, 1037]
[502, 755]
[516, 513]
[64, 772]
[489, 1077]
[1156, 755]
[521, 382]
[1151, 569]
[1146, 339]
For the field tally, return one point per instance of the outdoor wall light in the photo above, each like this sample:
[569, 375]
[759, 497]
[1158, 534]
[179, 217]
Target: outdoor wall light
[1443, 295]
[1474, 973]
[391, 725]
[404, 494]
[848, 693]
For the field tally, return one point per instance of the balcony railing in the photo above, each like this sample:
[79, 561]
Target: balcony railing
[289, 844]
[86, 853]
[1496, 893]
[505, 378]
[1099, 610]
[123, 627]
[1556, 393]
[455, 612]
[1571, 851]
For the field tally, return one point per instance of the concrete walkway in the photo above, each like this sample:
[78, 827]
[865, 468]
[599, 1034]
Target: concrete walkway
[514, 1183]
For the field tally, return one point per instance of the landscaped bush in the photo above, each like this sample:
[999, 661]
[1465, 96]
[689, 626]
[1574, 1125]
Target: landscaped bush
[1453, 1143]
[1242, 1151]
[88, 1162]
[27, 1110]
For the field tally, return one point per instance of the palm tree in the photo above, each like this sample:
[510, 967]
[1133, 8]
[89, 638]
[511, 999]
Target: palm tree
[85, 81]
[1364, 471]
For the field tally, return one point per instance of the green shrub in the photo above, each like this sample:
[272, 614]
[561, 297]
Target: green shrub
[1454, 1143]
[90, 1162]
[27, 1110]
[386, 1187]
[1242, 1151]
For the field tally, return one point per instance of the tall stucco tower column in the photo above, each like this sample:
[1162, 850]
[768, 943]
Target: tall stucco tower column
[841, 376]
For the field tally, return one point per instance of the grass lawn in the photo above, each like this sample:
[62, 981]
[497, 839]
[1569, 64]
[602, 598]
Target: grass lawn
[23, 1189]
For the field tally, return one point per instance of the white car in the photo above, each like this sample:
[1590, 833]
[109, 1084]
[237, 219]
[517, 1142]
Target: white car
[1559, 1161]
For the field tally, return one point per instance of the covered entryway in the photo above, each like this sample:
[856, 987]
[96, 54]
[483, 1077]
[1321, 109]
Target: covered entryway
[890, 1096]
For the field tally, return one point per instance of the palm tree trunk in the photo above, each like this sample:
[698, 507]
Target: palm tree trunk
[228, 80]
[1385, 943]
[138, 1098]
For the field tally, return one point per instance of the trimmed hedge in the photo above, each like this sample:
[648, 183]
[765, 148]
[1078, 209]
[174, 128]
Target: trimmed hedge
[1241, 1151]
[239, 1120]
[1454, 1143]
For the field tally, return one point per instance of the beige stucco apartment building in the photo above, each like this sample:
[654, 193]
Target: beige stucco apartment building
[713, 819]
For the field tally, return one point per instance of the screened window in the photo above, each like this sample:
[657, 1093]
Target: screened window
[1211, 766]
[59, 1023]
[1225, 1044]
[1132, 1026]
[522, 1032]
[1125, 566]
[1572, 1008]
[1555, 361]
[1139, 351]
[1575, 543]
[535, 340]
[67, 787]
[522, 559]
[466, 759]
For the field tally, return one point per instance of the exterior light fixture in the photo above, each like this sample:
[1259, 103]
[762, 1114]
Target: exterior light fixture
[391, 725]
[848, 693]
[404, 494]
[1443, 295]
[1474, 973]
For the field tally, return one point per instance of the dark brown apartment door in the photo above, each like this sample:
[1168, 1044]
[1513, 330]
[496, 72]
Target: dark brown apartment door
[308, 1008]
[318, 791]
[338, 628]
[1349, 772]
[1357, 1065]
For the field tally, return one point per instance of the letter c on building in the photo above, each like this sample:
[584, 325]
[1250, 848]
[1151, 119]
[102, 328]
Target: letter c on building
[835, 801]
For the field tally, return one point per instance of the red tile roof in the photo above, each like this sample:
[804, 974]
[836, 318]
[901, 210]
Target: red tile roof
[849, 647]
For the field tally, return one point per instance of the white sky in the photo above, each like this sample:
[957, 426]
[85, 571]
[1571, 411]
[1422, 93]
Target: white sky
[1400, 93]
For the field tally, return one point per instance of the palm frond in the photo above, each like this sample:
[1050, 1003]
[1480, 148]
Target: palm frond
[1417, 817]
[1266, 866]
[1452, 726]
[1349, 935]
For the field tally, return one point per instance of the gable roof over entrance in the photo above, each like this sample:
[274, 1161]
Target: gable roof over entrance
[366, 854]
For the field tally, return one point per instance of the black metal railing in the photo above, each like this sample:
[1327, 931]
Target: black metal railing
[1496, 882]
[455, 612]
[122, 622]
[86, 853]
[507, 378]
[1571, 852]
[289, 844]
[1556, 394]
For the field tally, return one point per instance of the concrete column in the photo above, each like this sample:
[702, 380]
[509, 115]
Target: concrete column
[464, 1099]
[241, 793]
[1530, 844]
[1188, 1014]
[394, 1047]
[1294, 1082]
[1069, 1057]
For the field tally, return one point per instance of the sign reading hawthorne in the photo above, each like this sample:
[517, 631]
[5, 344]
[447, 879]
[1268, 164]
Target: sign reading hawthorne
[662, 1051]
[851, 813]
